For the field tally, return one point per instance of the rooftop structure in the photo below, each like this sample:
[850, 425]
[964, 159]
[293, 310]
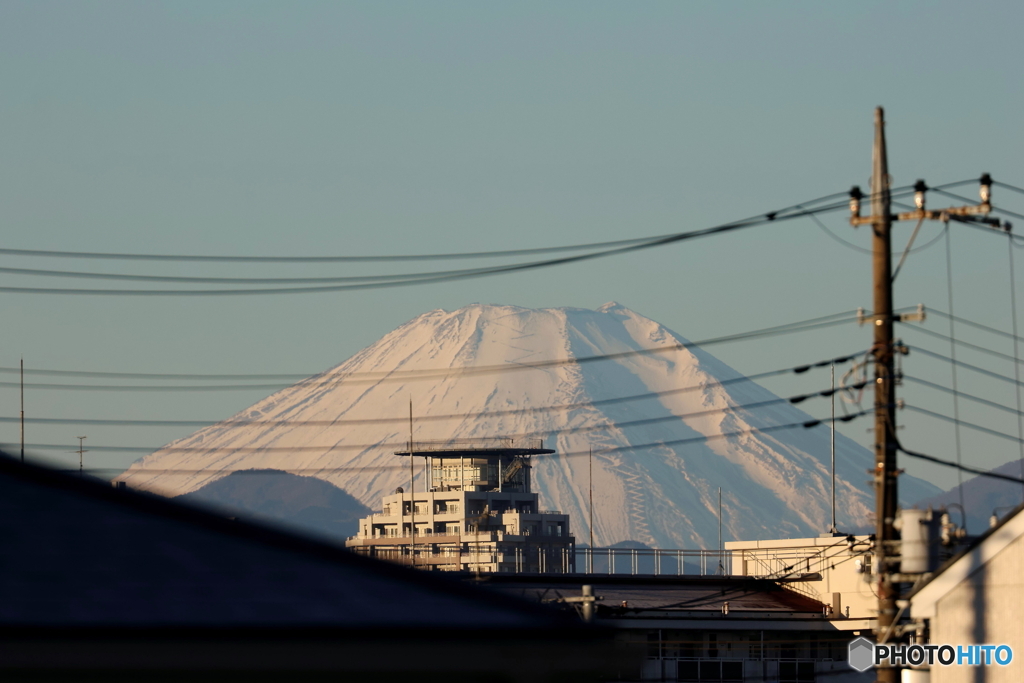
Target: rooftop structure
[477, 513]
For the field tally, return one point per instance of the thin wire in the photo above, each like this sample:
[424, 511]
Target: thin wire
[961, 364]
[543, 432]
[971, 323]
[386, 258]
[910, 244]
[960, 467]
[402, 280]
[952, 355]
[441, 276]
[961, 342]
[440, 373]
[238, 280]
[1016, 361]
[970, 425]
[433, 371]
[806, 424]
[800, 398]
[1008, 186]
[969, 397]
[862, 250]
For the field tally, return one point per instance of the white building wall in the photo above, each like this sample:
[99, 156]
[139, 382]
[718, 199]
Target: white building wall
[987, 607]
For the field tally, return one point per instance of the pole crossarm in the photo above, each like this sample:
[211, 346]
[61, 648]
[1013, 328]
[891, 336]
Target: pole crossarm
[928, 214]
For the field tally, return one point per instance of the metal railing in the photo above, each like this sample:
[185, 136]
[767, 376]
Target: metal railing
[654, 561]
[483, 443]
[618, 561]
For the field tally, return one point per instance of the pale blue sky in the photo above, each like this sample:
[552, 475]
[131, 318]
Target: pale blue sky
[377, 128]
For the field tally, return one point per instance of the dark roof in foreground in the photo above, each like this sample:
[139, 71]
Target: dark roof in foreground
[83, 560]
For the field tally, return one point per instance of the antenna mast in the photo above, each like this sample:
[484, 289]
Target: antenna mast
[81, 455]
[833, 394]
[23, 410]
[591, 504]
[412, 491]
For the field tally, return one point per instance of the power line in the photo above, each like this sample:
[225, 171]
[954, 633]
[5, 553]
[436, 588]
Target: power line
[969, 425]
[433, 371]
[961, 342]
[971, 323]
[806, 424]
[237, 280]
[440, 373]
[952, 367]
[395, 282]
[568, 430]
[962, 364]
[438, 277]
[959, 466]
[389, 258]
[969, 397]
[1008, 186]
[430, 418]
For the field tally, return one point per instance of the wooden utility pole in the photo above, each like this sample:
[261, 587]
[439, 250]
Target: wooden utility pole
[885, 386]
[884, 349]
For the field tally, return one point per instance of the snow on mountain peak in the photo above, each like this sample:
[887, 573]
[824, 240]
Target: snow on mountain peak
[468, 373]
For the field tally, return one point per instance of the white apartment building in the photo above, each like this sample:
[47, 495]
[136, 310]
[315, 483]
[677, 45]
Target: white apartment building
[476, 513]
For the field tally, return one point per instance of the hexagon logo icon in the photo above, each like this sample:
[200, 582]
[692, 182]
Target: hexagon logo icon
[861, 654]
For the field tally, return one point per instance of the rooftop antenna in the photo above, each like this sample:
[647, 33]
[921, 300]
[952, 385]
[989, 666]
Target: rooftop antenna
[81, 455]
[591, 502]
[23, 410]
[833, 395]
[721, 566]
[412, 491]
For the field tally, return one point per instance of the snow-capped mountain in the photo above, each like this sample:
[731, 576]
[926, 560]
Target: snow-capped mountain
[473, 364]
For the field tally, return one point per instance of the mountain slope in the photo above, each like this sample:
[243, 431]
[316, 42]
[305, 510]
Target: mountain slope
[982, 496]
[303, 502]
[774, 484]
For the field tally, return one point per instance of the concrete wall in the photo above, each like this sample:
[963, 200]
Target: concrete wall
[988, 607]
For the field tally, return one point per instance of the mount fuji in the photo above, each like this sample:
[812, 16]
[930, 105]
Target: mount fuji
[473, 373]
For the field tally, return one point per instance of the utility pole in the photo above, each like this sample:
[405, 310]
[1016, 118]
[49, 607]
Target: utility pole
[885, 387]
[884, 349]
